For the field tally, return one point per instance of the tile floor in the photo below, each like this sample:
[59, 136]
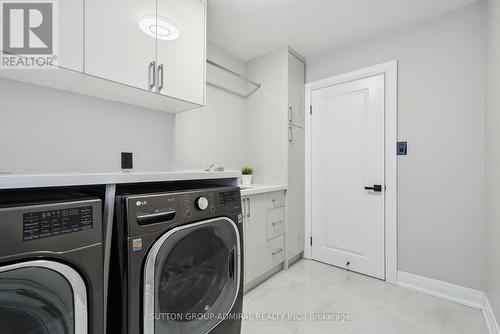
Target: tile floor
[373, 306]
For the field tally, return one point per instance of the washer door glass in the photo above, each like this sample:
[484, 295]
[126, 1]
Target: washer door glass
[196, 277]
[35, 300]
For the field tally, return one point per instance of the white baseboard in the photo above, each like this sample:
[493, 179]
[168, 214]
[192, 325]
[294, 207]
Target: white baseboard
[489, 316]
[444, 290]
[455, 293]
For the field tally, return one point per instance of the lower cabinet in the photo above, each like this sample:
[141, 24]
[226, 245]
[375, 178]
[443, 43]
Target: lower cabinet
[264, 235]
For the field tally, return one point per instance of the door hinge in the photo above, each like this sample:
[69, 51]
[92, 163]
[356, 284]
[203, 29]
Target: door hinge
[311, 241]
[310, 110]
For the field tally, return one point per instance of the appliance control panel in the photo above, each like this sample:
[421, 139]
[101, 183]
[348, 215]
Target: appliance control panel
[183, 206]
[229, 198]
[155, 209]
[43, 224]
[198, 204]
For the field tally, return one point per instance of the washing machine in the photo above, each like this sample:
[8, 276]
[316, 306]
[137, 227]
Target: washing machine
[51, 274]
[177, 263]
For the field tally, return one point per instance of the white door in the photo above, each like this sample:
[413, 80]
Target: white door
[347, 158]
[296, 98]
[116, 48]
[295, 192]
[70, 34]
[258, 257]
[182, 60]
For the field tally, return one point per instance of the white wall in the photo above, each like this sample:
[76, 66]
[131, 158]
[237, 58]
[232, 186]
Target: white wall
[493, 156]
[216, 133]
[268, 147]
[46, 130]
[441, 99]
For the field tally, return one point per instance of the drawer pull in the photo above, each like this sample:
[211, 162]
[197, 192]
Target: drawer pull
[277, 202]
[278, 251]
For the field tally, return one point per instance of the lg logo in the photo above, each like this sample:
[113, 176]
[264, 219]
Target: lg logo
[28, 28]
[139, 203]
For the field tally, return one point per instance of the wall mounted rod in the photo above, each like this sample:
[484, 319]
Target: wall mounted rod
[239, 76]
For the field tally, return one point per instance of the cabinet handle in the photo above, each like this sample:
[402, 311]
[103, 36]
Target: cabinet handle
[290, 115]
[278, 251]
[276, 223]
[152, 75]
[243, 210]
[290, 134]
[160, 78]
[248, 211]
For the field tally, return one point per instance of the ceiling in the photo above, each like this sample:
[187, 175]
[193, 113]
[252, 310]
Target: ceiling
[250, 28]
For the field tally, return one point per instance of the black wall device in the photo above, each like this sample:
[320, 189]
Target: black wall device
[402, 148]
[127, 160]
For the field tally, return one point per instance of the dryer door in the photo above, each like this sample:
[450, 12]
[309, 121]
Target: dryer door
[42, 297]
[192, 278]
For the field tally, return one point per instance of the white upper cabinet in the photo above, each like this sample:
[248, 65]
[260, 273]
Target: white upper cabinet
[296, 100]
[154, 45]
[149, 53]
[70, 34]
[181, 54]
[116, 48]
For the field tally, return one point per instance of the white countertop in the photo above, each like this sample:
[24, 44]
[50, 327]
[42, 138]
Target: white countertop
[260, 188]
[17, 181]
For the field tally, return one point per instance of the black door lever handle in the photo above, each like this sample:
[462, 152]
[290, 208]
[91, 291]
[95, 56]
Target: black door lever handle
[376, 188]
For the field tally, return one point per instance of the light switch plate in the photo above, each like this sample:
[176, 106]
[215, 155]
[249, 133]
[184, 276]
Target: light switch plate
[402, 148]
[127, 160]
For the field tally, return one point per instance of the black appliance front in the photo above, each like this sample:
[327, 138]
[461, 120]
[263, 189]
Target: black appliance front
[51, 275]
[185, 273]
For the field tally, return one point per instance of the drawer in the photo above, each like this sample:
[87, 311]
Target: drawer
[277, 249]
[276, 200]
[275, 223]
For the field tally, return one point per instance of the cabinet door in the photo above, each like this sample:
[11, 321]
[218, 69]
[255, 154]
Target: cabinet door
[69, 25]
[295, 194]
[183, 58]
[116, 47]
[245, 247]
[296, 86]
[257, 257]
[70, 34]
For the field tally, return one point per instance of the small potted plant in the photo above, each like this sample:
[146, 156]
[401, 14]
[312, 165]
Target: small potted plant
[246, 175]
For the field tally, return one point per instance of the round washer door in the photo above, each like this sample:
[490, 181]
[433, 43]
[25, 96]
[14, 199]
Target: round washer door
[191, 278]
[42, 297]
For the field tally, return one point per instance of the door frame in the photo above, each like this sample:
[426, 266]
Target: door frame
[390, 70]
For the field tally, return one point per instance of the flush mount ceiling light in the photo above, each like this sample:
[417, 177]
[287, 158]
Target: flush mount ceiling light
[159, 27]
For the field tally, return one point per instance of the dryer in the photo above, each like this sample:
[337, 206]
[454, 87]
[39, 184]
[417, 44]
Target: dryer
[177, 262]
[51, 274]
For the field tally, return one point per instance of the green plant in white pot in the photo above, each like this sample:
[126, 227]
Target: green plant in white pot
[246, 175]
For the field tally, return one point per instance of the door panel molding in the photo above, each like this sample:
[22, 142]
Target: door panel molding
[390, 70]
